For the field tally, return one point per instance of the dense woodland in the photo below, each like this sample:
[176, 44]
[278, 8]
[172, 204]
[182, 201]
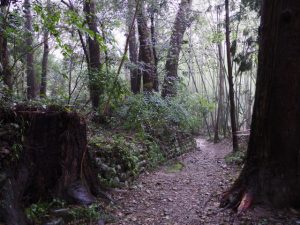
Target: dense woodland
[95, 93]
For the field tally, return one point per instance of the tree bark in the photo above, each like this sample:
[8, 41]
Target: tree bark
[135, 78]
[179, 28]
[230, 81]
[220, 112]
[271, 171]
[153, 38]
[5, 71]
[31, 77]
[248, 102]
[94, 53]
[43, 89]
[146, 57]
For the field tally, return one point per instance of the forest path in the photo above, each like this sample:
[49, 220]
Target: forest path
[185, 191]
[179, 192]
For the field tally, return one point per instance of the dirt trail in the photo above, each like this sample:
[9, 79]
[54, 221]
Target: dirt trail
[187, 192]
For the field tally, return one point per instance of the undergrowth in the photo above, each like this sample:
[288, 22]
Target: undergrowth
[58, 210]
[238, 157]
[144, 131]
[235, 157]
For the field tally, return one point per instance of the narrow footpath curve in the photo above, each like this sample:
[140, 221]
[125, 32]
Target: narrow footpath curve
[187, 192]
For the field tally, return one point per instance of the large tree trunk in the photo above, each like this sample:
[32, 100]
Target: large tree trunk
[180, 26]
[31, 78]
[271, 172]
[94, 53]
[146, 57]
[135, 78]
[53, 162]
[5, 71]
[230, 81]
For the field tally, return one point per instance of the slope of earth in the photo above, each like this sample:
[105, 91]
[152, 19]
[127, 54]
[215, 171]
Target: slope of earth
[187, 191]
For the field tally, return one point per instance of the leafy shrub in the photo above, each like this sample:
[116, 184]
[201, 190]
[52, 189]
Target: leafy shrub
[236, 157]
[41, 212]
[152, 112]
[116, 159]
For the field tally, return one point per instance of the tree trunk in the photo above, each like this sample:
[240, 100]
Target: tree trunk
[248, 102]
[220, 111]
[146, 58]
[43, 89]
[135, 78]
[153, 38]
[180, 25]
[94, 53]
[220, 115]
[31, 78]
[230, 81]
[5, 71]
[53, 162]
[271, 172]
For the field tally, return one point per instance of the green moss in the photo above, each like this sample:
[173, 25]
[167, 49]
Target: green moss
[175, 167]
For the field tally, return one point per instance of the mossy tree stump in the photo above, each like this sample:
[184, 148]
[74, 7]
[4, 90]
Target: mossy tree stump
[53, 162]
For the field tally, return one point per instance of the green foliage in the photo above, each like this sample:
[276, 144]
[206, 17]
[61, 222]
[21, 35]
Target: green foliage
[50, 18]
[144, 131]
[43, 211]
[113, 88]
[117, 159]
[91, 212]
[198, 107]
[16, 151]
[236, 157]
[11, 141]
[38, 211]
[217, 37]
[74, 19]
[152, 112]
[153, 153]
[121, 156]
[253, 4]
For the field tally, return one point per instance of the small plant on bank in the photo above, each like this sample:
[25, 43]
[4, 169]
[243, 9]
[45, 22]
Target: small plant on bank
[236, 157]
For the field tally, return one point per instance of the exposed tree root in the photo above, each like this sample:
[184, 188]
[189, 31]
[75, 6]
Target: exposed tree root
[240, 197]
[246, 202]
[232, 198]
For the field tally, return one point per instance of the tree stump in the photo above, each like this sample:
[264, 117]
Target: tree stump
[53, 162]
